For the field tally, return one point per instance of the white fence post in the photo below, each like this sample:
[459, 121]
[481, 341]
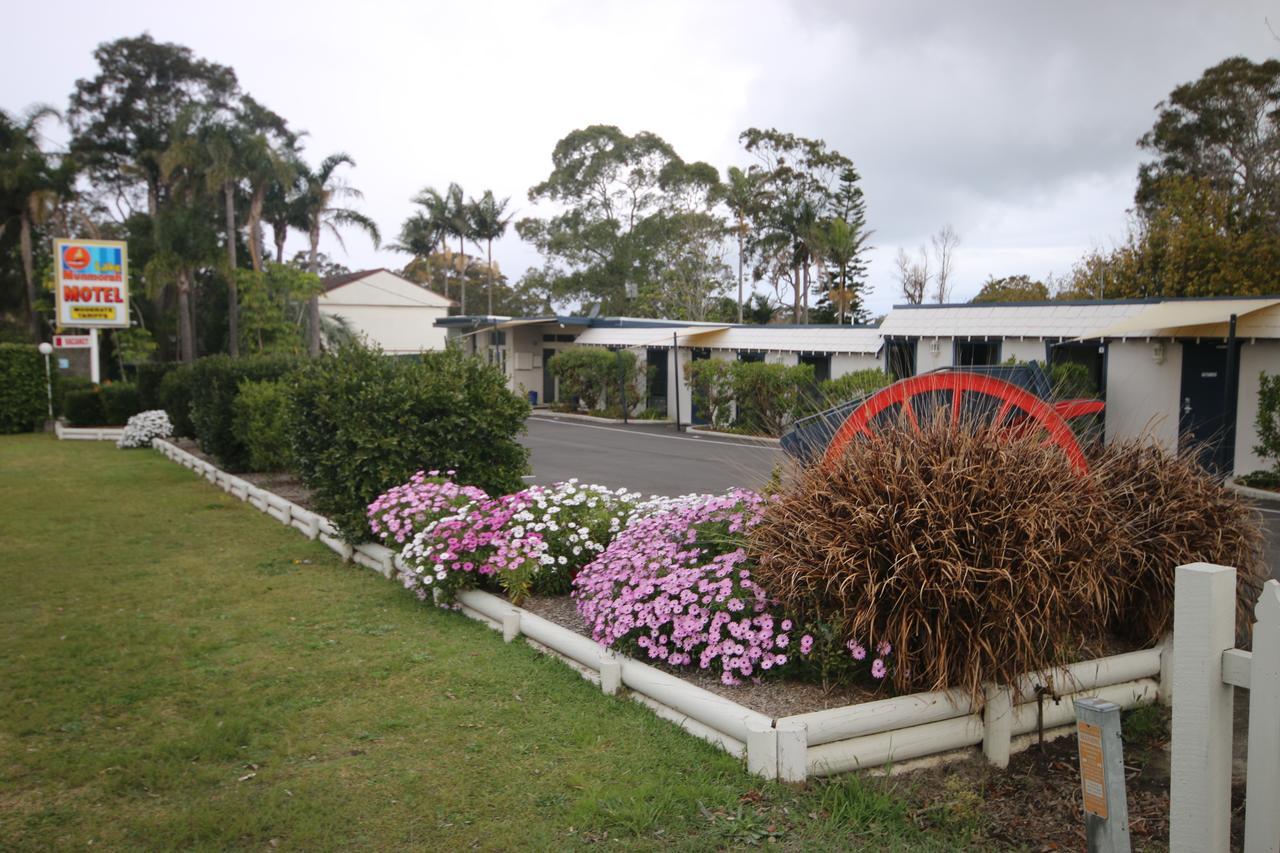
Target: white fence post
[1200, 776]
[1262, 798]
[997, 725]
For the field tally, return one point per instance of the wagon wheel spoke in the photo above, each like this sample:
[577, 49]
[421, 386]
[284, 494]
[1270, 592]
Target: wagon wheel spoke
[955, 406]
[910, 411]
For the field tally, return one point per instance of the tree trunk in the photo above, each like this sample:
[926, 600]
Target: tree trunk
[256, 202]
[805, 303]
[739, 273]
[462, 277]
[186, 342]
[797, 285]
[233, 292]
[313, 304]
[280, 235]
[29, 274]
[490, 253]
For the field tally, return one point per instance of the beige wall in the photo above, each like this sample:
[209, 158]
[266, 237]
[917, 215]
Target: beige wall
[395, 328]
[1143, 397]
[927, 359]
[843, 363]
[1254, 358]
[1027, 349]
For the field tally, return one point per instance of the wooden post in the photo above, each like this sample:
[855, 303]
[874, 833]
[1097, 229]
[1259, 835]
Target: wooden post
[997, 725]
[1262, 798]
[762, 749]
[1106, 811]
[1200, 772]
[610, 674]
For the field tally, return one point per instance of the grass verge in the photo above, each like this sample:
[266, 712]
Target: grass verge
[180, 671]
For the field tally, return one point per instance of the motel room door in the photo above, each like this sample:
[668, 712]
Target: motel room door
[1203, 423]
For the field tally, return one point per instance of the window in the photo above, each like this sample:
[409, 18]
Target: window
[821, 366]
[977, 353]
[900, 358]
[750, 356]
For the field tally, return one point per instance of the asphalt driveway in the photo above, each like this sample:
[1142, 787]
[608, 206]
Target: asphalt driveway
[655, 459]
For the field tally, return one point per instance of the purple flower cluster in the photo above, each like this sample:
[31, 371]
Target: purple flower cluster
[677, 585]
[478, 540]
[403, 510]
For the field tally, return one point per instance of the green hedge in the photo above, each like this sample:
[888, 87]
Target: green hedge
[149, 377]
[1267, 422]
[215, 382]
[84, 407]
[363, 422]
[175, 399]
[259, 418]
[850, 386]
[710, 383]
[24, 402]
[103, 405]
[770, 396]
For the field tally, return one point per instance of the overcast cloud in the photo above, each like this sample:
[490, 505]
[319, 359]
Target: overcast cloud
[1015, 122]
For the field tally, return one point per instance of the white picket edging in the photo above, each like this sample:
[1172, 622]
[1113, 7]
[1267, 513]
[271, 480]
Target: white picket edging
[1206, 670]
[66, 433]
[792, 749]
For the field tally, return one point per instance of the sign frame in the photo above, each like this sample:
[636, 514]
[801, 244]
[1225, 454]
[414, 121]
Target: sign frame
[100, 299]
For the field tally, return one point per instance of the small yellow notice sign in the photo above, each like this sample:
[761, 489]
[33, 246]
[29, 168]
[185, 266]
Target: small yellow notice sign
[1092, 781]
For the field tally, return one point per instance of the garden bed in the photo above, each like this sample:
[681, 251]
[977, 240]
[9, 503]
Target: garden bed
[280, 483]
[783, 742]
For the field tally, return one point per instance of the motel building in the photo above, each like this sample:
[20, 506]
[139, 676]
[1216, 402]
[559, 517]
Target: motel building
[1183, 371]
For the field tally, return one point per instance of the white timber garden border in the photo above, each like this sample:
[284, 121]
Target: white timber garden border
[66, 433]
[931, 727]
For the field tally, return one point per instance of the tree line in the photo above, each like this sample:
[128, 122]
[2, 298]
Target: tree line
[206, 184]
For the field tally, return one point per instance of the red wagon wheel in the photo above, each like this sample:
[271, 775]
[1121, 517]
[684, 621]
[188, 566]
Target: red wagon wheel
[1012, 405]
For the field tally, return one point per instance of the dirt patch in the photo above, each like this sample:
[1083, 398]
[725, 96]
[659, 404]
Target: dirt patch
[773, 697]
[281, 483]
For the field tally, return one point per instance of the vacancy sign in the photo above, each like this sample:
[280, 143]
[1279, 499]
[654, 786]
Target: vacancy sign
[92, 283]
[72, 341]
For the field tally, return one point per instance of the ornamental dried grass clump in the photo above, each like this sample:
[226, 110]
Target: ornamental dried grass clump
[977, 554]
[1171, 512]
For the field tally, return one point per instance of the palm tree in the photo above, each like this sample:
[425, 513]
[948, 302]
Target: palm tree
[29, 179]
[488, 223]
[457, 222]
[426, 231]
[842, 244]
[741, 192]
[320, 189]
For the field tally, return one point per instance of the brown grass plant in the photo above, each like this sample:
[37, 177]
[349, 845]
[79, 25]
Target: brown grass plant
[982, 555]
[1171, 512]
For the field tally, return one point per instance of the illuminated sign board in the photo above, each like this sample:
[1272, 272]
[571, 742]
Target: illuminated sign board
[92, 283]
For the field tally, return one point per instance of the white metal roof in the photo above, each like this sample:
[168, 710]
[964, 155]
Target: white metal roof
[1061, 320]
[844, 339]
[1208, 317]
[633, 336]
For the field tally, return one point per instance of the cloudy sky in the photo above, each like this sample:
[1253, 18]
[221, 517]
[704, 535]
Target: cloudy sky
[1015, 122]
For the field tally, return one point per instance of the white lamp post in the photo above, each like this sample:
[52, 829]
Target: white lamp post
[46, 349]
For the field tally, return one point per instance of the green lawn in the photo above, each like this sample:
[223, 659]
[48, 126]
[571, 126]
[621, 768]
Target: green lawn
[179, 670]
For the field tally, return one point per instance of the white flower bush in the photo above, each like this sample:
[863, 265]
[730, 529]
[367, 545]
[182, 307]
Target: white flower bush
[145, 426]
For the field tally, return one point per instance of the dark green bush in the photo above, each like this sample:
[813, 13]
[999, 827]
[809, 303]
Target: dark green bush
[214, 385]
[175, 399]
[120, 402]
[1268, 419]
[850, 386]
[149, 376]
[1071, 381]
[585, 373]
[363, 422]
[711, 389]
[85, 407]
[769, 396]
[64, 385]
[259, 418]
[23, 398]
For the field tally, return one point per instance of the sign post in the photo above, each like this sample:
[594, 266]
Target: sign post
[1106, 811]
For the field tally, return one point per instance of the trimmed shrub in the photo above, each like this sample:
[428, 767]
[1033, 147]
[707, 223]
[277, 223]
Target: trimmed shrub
[23, 398]
[120, 402]
[63, 386]
[260, 421]
[175, 399]
[585, 373]
[148, 376]
[1071, 381]
[711, 389]
[84, 407]
[363, 422]
[215, 383]
[770, 396]
[1268, 419]
[859, 383]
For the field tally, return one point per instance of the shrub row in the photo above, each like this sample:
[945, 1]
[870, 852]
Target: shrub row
[101, 405]
[215, 384]
[597, 378]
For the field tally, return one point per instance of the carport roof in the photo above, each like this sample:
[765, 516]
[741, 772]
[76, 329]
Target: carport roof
[1208, 318]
